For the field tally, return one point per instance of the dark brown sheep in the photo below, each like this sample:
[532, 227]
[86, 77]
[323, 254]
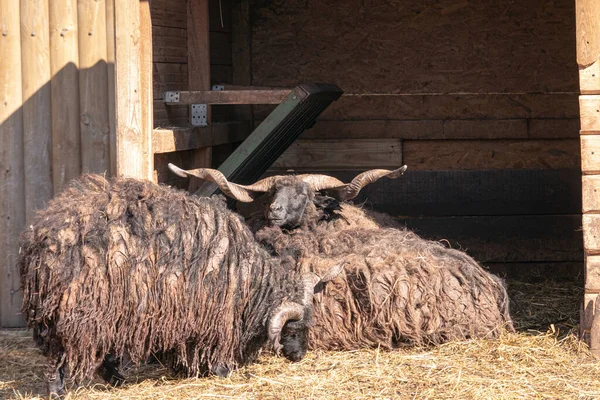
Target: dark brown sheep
[400, 290]
[126, 267]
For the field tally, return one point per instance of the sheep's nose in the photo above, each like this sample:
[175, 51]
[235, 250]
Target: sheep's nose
[275, 207]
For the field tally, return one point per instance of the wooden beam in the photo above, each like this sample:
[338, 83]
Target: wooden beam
[198, 55]
[590, 193]
[132, 133]
[591, 233]
[589, 78]
[590, 154]
[146, 87]
[12, 194]
[179, 139]
[93, 89]
[274, 96]
[589, 114]
[37, 124]
[587, 16]
[64, 67]
[110, 66]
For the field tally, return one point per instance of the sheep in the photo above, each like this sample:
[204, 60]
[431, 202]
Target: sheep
[401, 289]
[125, 267]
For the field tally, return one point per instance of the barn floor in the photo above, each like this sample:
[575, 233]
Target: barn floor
[543, 360]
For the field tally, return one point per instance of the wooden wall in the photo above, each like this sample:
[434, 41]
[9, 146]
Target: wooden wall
[170, 72]
[64, 109]
[479, 99]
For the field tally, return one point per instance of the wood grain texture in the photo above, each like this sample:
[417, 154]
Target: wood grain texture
[592, 273]
[12, 193]
[590, 198]
[490, 154]
[402, 47]
[590, 154]
[37, 117]
[132, 132]
[591, 233]
[589, 106]
[64, 65]
[554, 128]
[168, 13]
[169, 44]
[146, 88]
[110, 66]
[587, 14]
[93, 86]
[250, 96]
[179, 139]
[589, 78]
[241, 52]
[338, 154]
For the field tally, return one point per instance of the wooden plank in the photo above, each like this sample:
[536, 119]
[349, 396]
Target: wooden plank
[469, 193]
[340, 154]
[587, 13]
[275, 96]
[554, 128]
[568, 271]
[589, 79]
[110, 67]
[590, 198]
[168, 13]
[93, 86]
[132, 133]
[37, 122]
[168, 76]
[146, 88]
[517, 238]
[198, 48]
[467, 106]
[590, 154]
[12, 193]
[589, 106]
[64, 67]
[220, 48]
[490, 154]
[591, 233]
[592, 273]
[169, 45]
[178, 139]
[169, 116]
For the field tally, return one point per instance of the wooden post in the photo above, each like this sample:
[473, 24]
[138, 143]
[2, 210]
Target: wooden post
[110, 66]
[64, 68]
[242, 53]
[132, 137]
[37, 124]
[146, 87]
[588, 58]
[199, 66]
[93, 88]
[12, 194]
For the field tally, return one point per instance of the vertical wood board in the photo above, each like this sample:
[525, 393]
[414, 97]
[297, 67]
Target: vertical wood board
[12, 194]
[590, 154]
[592, 273]
[37, 124]
[146, 90]
[587, 16]
[589, 78]
[93, 86]
[110, 76]
[64, 68]
[590, 198]
[591, 233]
[589, 108]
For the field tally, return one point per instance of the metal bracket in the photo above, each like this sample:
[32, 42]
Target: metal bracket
[217, 88]
[198, 115]
[171, 97]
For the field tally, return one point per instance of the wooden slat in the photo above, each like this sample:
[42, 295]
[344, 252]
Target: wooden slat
[169, 45]
[179, 139]
[64, 64]
[12, 194]
[198, 48]
[592, 273]
[469, 193]
[490, 154]
[340, 154]
[591, 233]
[110, 66]
[589, 79]
[554, 128]
[275, 96]
[587, 14]
[590, 193]
[132, 131]
[167, 76]
[589, 106]
[590, 154]
[519, 238]
[467, 106]
[220, 48]
[168, 13]
[37, 125]
[93, 86]
[168, 116]
[146, 88]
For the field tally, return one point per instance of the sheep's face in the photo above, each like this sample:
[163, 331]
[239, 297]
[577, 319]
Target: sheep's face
[294, 340]
[288, 201]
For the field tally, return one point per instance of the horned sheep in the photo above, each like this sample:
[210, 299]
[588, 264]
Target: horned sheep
[401, 289]
[124, 267]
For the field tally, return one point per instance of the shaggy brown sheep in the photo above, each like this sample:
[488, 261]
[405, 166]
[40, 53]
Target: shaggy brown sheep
[126, 267]
[401, 289]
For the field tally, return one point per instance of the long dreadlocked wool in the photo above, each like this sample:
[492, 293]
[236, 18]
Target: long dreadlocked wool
[129, 267]
[399, 290]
